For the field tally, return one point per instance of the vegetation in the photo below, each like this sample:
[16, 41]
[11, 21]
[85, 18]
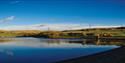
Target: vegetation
[82, 33]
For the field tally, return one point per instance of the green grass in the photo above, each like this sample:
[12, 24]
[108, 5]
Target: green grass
[7, 35]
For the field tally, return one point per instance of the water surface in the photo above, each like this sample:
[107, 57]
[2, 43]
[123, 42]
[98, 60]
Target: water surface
[39, 50]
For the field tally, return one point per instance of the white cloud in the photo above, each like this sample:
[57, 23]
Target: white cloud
[58, 27]
[15, 2]
[10, 18]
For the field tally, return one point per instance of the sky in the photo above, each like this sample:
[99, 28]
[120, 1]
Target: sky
[94, 12]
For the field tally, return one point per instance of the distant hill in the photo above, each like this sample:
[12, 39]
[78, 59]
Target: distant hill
[110, 28]
[52, 27]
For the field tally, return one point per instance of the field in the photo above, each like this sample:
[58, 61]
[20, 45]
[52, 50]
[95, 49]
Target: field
[102, 32]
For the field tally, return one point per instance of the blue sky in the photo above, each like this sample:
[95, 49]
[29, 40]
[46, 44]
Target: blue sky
[26, 12]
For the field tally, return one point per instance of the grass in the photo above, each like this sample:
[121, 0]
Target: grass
[7, 35]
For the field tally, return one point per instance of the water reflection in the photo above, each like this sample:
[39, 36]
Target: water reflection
[100, 42]
[22, 50]
[40, 42]
[54, 43]
[7, 52]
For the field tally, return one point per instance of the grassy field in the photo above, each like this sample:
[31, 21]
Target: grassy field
[103, 32]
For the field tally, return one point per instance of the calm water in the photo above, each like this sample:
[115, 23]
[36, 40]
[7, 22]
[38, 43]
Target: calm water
[38, 50]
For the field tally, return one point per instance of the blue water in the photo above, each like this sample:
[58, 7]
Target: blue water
[35, 50]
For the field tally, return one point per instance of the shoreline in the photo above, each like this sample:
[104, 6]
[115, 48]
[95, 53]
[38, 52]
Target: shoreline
[112, 56]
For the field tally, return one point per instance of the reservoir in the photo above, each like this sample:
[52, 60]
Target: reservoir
[41, 50]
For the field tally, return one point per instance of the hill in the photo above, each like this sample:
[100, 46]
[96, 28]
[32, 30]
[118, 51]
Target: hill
[81, 33]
